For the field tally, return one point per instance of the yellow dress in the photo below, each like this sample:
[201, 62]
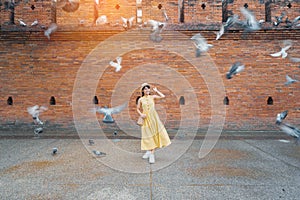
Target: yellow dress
[154, 134]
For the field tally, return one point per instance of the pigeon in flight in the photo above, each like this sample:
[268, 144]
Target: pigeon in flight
[221, 32]
[157, 28]
[230, 21]
[99, 153]
[251, 24]
[127, 23]
[109, 111]
[201, 44]
[291, 131]
[117, 64]
[281, 116]
[164, 12]
[71, 5]
[35, 111]
[236, 68]
[296, 60]
[282, 52]
[51, 29]
[279, 19]
[289, 80]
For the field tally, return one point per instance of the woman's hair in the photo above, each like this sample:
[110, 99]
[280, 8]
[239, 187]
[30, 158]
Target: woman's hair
[137, 100]
[146, 86]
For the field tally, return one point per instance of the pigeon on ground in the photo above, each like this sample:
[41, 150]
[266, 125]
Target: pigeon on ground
[38, 130]
[22, 23]
[91, 142]
[157, 28]
[291, 131]
[51, 29]
[201, 44]
[127, 23]
[281, 116]
[35, 111]
[54, 151]
[109, 111]
[289, 80]
[117, 64]
[236, 68]
[283, 50]
[99, 153]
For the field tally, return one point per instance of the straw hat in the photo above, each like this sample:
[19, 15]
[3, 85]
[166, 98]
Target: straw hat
[143, 85]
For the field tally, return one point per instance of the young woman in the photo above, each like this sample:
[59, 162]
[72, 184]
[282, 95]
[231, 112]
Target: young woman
[154, 134]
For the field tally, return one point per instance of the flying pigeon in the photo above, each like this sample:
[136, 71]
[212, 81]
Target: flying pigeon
[71, 5]
[221, 32]
[51, 29]
[230, 21]
[289, 80]
[35, 111]
[201, 44]
[279, 19]
[99, 153]
[282, 52]
[157, 28]
[109, 111]
[22, 23]
[164, 12]
[294, 59]
[236, 68]
[127, 23]
[291, 131]
[91, 142]
[117, 64]
[34, 23]
[281, 116]
[54, 151]
[251, 24]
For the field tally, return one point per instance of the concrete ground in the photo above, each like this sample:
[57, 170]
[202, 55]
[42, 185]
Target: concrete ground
[236, 168]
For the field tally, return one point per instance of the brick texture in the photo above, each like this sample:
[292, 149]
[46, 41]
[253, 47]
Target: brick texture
[34, 68]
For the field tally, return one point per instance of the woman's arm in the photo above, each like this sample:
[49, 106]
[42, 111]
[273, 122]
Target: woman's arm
[138, 106]
[160, 95]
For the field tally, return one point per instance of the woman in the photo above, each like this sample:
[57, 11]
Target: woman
[154, 134]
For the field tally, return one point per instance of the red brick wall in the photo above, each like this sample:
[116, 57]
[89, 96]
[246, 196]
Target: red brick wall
[33, 68]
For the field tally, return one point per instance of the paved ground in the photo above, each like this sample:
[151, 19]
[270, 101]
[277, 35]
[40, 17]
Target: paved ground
[237, 168]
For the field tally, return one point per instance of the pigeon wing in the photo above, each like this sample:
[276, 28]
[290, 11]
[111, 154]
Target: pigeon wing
[115, 65]
[118, 109]
[277, 54]
[119, 60]
[154, 24]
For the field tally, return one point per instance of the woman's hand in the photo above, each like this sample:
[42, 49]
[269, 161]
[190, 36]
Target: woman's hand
[143, 116]
[155, 89]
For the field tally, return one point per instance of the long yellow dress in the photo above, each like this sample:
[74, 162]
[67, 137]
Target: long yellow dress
[154, 134]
